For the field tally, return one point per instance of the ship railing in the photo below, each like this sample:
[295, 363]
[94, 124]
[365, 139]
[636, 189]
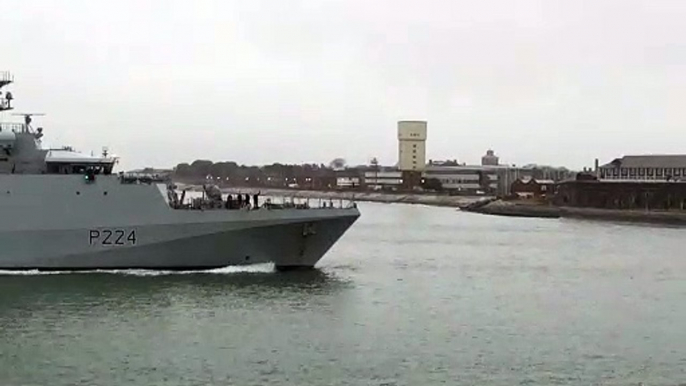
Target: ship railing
[6, 76]
[143, 178]
[10, 126]
[265, 202]
[295, 202]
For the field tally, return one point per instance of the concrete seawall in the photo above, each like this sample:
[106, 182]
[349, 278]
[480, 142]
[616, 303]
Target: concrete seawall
[514, 209]
[635, 216]
[541, 210]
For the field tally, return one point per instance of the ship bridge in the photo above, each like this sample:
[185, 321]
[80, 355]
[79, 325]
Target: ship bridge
[68, 161]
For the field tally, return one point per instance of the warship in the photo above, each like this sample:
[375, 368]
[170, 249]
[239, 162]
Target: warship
[65, 210]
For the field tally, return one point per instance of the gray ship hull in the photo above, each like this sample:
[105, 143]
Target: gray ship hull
[53, 222]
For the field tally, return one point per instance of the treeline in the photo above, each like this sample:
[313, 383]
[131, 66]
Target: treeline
[203, 168]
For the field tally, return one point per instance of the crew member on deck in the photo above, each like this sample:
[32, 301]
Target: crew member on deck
[255, 200]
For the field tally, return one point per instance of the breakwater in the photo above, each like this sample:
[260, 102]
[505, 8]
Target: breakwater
[517, 208]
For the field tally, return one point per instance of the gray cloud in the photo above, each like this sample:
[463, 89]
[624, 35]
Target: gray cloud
[160, 82]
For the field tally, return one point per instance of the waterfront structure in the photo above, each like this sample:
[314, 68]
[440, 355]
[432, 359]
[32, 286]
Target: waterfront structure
[64, 210]
[645, 168]
[412, 145]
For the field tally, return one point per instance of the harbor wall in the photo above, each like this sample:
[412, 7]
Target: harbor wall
[533, 208]
[632, 216]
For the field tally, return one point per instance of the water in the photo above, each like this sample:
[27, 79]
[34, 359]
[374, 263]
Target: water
[411, 295]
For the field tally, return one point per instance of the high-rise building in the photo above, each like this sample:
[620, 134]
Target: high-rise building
[412, 146]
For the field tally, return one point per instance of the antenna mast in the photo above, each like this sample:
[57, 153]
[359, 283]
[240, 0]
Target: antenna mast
[27, 123]
[6, 100]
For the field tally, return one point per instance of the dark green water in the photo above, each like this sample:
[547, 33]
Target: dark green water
[410, 296]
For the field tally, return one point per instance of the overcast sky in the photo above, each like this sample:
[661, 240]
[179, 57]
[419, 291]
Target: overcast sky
[163, 82]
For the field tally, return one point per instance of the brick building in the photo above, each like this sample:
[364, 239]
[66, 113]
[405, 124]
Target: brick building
[636, 195]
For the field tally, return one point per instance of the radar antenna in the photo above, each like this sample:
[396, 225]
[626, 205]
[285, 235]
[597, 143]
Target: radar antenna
[27, 123]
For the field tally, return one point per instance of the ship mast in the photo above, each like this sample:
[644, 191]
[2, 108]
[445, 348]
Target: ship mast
[6, 78]
[5, 99]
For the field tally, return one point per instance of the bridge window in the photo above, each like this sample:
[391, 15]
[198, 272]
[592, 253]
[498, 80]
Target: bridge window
[69, 168]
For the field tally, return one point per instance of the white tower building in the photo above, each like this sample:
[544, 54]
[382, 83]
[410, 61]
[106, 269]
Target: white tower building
[412, 145]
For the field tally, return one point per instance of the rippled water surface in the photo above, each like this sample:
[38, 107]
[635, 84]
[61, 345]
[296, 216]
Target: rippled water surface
[411, 295]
